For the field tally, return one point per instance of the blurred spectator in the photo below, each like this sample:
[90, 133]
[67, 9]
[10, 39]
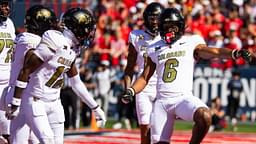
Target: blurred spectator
[126, 112]
[87, 78]
[99, 9]
[103, 82]
[173, 4]
[103, 36]
[233, 21]
[118, 49]
[70, 103]
[251, 44]
[218, 121]
[117, 86]
[232, 41]
[252, 27]
[235, 86]
[216, 40]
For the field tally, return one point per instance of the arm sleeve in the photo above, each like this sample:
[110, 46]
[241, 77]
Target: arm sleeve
[81, 91]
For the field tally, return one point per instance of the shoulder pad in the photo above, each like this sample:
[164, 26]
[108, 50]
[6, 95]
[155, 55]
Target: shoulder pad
[136, 35]
[53, 39]
[27, 38]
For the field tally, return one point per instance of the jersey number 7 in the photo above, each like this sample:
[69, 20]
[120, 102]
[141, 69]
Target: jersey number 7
[54, 82]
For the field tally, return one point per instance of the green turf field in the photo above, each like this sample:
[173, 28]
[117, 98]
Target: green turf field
[183, 125]
[242, 127]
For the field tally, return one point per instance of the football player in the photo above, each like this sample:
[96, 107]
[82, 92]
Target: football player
[139, 40]
[44, 68]
[173, 59]
[38, 19]
[7, 36]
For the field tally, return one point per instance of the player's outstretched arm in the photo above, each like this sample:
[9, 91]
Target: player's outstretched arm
[81, 91]
[205, 52]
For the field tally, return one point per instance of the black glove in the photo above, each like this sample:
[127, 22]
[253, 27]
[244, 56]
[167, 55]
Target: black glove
[128, 95]
[245, 54]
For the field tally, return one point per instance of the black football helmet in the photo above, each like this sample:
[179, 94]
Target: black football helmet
[172, 25]
[4, 9]
[82, 23]
[151, 17]
[39, 19]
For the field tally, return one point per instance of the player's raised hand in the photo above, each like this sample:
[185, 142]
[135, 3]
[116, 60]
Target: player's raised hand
[128, 95]
[100, 117]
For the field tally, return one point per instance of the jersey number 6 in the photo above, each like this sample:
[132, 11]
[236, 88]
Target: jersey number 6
[170, 72]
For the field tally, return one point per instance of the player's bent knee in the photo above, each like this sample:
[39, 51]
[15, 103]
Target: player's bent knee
[203, 115]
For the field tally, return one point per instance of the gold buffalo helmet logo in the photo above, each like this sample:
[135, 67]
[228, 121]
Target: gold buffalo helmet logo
[83, 18]
[43, 13]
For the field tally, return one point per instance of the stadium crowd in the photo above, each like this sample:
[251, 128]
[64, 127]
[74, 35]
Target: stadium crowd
[222, 23]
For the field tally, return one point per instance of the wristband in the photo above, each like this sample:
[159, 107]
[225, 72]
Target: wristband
[16, 101]
[21, 84]
[132, 90]
[233, 55]
[95, 107]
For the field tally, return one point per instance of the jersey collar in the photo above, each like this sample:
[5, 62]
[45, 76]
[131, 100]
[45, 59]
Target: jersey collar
[150, 33]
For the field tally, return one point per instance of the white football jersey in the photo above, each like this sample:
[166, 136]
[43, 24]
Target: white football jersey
[175, 64]
[23, 42]
[55, 50]
[141, 41]
[7, 36]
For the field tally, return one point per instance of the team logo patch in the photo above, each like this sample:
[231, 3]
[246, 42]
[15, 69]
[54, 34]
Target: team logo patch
[43, 13]
[83, 18]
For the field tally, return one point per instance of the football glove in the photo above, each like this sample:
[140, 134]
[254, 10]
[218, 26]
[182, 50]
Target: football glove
[128, 95]
[245, 54]
[13, 108]
[100, 117]
[12, 111]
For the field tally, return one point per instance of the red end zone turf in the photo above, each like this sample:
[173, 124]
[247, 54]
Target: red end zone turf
[133, 137]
